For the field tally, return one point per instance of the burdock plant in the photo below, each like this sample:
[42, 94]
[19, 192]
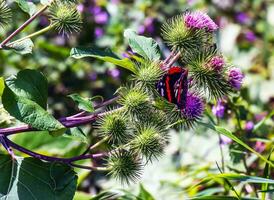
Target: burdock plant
[158, 97]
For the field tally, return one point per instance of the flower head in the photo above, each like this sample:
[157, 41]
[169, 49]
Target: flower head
[217, 63]
[219, 109]
[236, 78]
[194, 107]
[199, 20]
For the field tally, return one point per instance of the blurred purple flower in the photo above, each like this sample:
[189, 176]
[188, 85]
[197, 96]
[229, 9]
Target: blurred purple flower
[225, 140]
[199, 20]
[223, 4]
[141, 29]
[101, 17]
[242, 18]
[44, 21]
[114, 73]
[80, 8]
[148, 26]
[92, 76]
[249, 126]
[99, 32]
[219, 109]
[250, 36]
[236, 78]
[115, 1]
[259, 146]
[194, 107]
[217, 63]
[59, 40]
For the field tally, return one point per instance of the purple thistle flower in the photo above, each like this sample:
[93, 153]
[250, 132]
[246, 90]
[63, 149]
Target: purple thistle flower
[199, 20]
[236, 78]
[194, 107]
[219, 109]
[217, 63]
[101, 17]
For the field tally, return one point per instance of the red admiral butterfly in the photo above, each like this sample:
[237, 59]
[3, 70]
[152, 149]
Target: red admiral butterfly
[174, 85]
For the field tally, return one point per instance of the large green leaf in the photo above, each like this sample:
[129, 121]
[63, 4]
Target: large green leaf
[30, 178]
[107, 55]
[30, 84]
[30, 113]
[146, 47]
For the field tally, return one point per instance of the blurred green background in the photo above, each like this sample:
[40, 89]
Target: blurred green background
[246, 38]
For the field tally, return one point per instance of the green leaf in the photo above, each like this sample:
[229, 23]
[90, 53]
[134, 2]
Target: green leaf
[229, 134]
[221, 198]
[267, 171]
[31, 113]
[2, 85]
[30, 84]
[146, 47]
[76, 134]
[82, 103]
[30, 178]
[26, 6]
[23, 47]
[144, 194]
[107, 55]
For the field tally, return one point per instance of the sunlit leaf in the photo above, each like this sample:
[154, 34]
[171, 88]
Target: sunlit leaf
[107, 55]
[146, 47]
[82, 103]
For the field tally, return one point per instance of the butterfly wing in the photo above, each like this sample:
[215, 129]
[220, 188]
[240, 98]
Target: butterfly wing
[166, 85]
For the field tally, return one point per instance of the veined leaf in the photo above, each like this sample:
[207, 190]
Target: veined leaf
[23, 47]
[82, 103]
[146, 47]
[31, 113]
[76, 134]
[30, 84]
[30, 178]
[107, 55]
[26, 6]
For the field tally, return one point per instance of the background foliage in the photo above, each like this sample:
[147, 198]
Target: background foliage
[246, 38]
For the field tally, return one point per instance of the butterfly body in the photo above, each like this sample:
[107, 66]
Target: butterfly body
[173, 86]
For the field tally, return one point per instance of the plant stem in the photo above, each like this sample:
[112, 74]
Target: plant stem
[67, 121]
[173, 60]
[50, 158]
[24, 25]
[93, 146]
[33, 34]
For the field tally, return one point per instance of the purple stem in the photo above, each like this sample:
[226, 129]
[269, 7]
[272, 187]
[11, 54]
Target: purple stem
[68, 122]
[50, 158]
[24, 25]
